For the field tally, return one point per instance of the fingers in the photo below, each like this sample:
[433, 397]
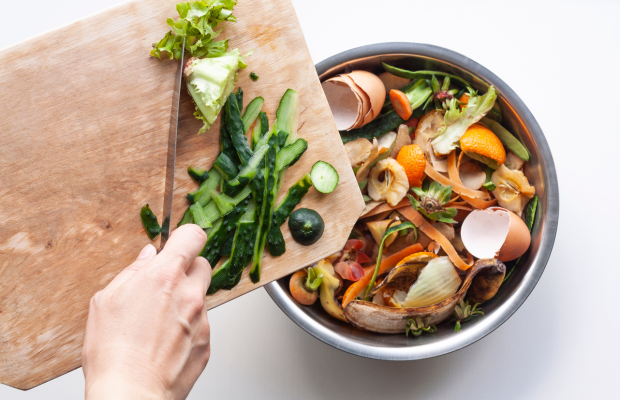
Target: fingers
[146, 255]
[199, 273]
[182, 248]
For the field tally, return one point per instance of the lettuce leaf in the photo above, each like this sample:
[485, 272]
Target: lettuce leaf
[209, 82]
[456, 121]
[197, 23]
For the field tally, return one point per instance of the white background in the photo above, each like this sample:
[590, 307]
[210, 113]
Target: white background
[563, 59]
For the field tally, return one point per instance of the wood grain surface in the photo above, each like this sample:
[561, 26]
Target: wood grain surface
[83, 139]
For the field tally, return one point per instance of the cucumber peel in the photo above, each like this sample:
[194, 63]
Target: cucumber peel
[234, 126]
[290, 154]
[203, 194]
[200, 218]
[149, 222]
[187, 218]
[275, 240]
[198, 174]
[249, 171]
[251, 113]
[225, 203]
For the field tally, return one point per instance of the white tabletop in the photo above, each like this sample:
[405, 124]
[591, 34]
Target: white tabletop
[563, 59]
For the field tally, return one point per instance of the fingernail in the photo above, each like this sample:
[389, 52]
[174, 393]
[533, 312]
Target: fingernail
[147, 251]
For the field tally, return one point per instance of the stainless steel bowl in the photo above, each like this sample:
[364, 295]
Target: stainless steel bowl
[540, 171]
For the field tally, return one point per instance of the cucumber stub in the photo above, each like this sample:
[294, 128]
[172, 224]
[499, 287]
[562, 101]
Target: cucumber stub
[324, 177]
[306, 226]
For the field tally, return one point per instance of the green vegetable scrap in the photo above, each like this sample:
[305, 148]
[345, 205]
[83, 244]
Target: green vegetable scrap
[210, 81]
[313, 281]
[464, 312]
[253, 76]
[197, 23]
[403, 73]
[417, 92]
[198, 174]
[200, 217]
[306, 226]
[417, 326]
[456, 121]
[433, 197]
[512, 143]
[530, 212]
[149, 222]
[391, 229]
[275, 240]
[187, 218]
[324, 177]
[488, 185]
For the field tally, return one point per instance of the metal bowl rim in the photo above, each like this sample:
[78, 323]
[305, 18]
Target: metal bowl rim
[551, 215]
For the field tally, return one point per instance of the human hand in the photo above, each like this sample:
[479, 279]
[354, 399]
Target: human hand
[147, 335]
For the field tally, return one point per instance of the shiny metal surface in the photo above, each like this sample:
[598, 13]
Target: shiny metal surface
[172, 148]
[540, 171]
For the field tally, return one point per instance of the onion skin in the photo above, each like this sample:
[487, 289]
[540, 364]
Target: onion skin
[383, 319]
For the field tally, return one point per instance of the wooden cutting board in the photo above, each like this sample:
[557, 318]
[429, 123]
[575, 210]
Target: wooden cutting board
[83, 136]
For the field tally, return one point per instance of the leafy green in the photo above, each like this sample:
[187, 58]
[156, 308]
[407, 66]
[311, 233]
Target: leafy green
[253, 76]
[210, 81]
[456, 121]
[197, 24]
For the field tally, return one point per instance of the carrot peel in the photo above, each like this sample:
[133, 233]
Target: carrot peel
[386, 264]
[418, 220]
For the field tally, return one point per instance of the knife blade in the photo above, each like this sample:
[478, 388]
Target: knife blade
[172, 148]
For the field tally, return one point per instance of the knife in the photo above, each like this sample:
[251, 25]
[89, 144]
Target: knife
[172, 148]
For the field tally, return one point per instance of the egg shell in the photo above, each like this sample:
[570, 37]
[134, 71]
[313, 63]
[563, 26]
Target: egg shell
[518, 240]
[484, 231]
[343, 102]
[372, 85]
[366, 115]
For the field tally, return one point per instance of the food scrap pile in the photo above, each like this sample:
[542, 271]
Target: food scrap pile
[447, 203]
[236, 201]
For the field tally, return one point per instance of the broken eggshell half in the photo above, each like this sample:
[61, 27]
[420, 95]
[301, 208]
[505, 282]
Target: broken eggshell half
[495, 232]
[355, 98]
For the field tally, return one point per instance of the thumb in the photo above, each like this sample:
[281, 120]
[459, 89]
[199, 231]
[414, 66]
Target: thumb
[146, 255]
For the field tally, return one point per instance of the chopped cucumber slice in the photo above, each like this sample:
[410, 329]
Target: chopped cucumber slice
[149, 222]
[324, 177]
[198, 174]
[212, 212]
[226, 167]
[249, 171]
[200, 218]
[203, 194]
[187, 218]
[225, 203]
